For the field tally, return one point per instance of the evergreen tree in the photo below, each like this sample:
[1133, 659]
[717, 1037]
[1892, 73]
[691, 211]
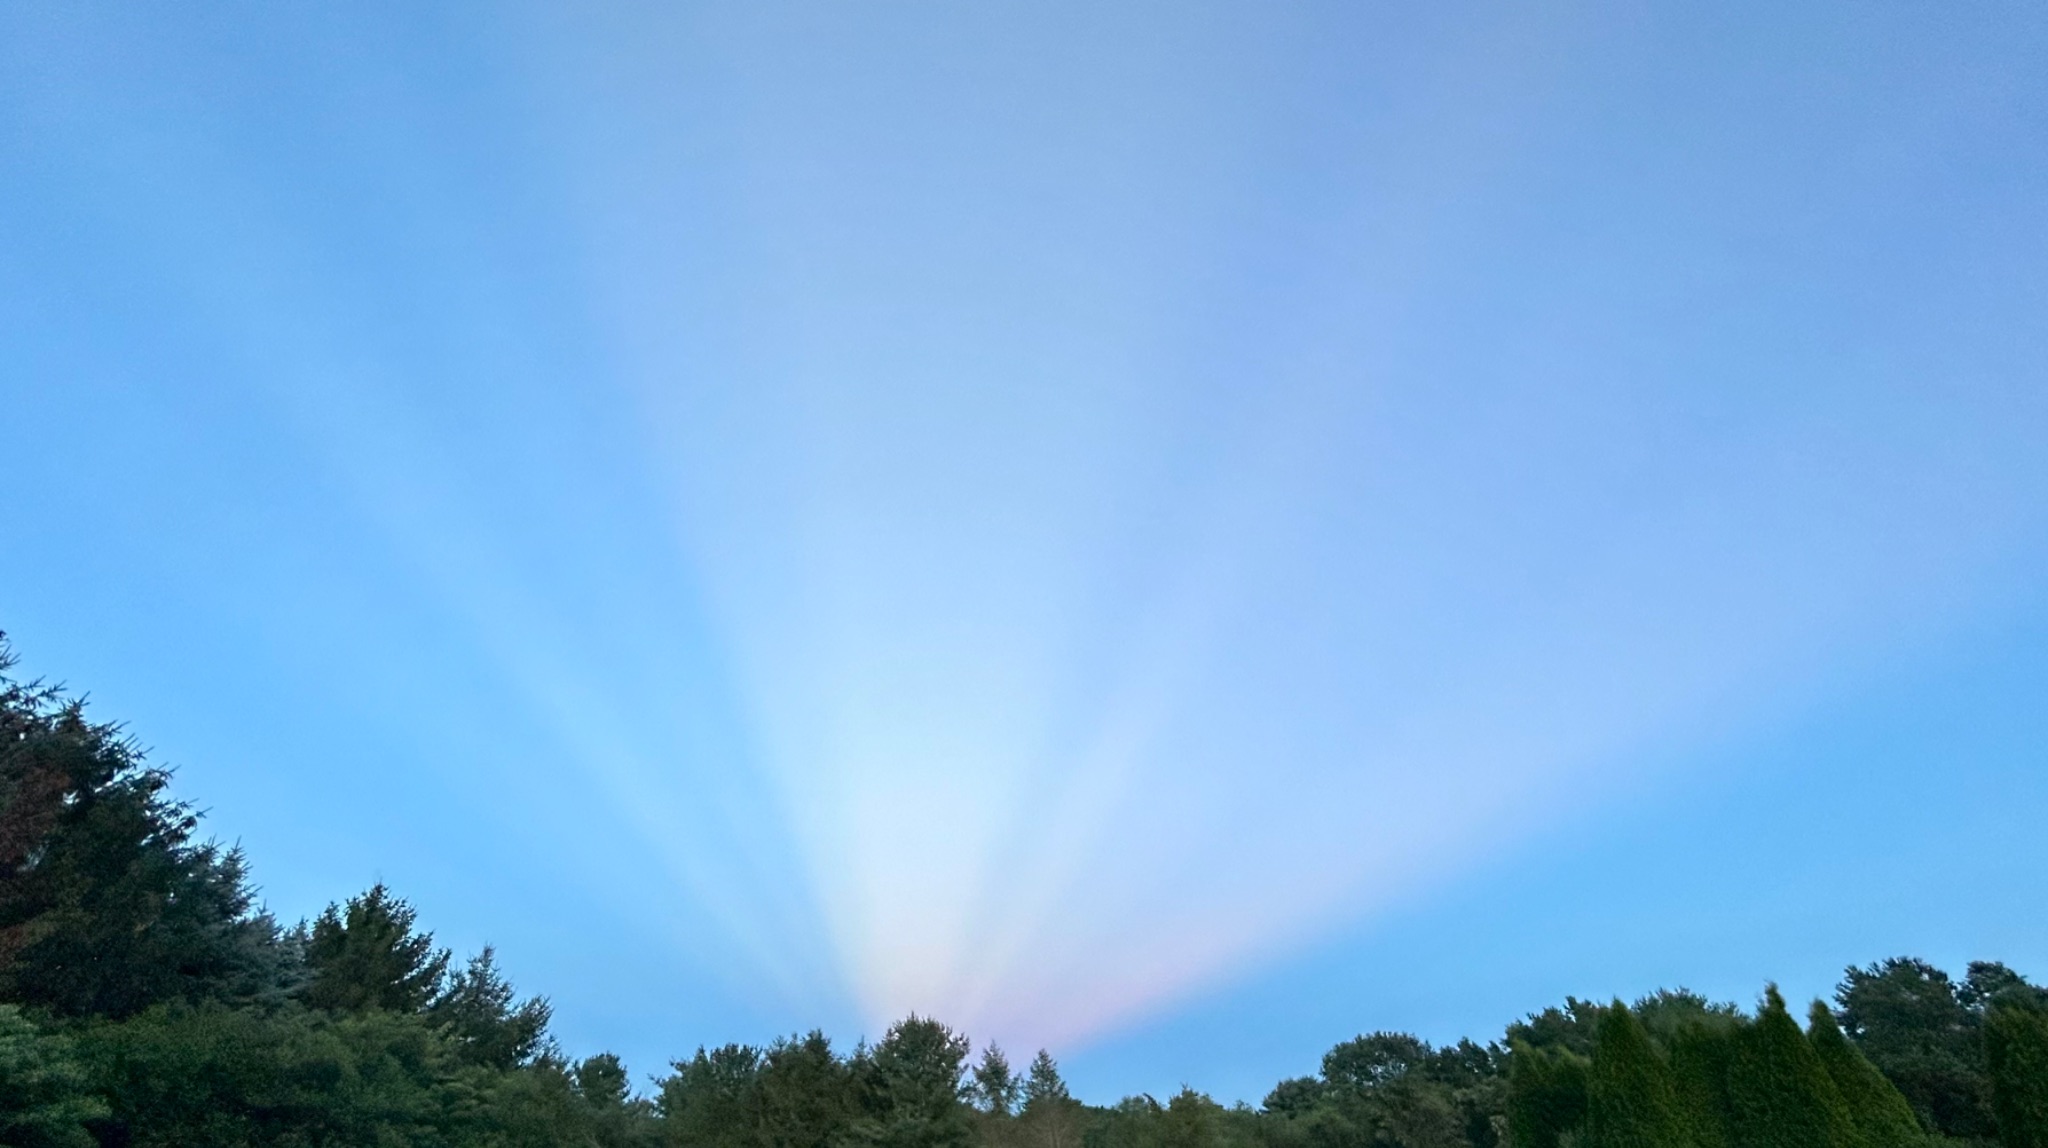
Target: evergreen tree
[1050, 1117]
[2016, 1052]
[365, 955]
[1779, 1092]
[913, 1089]
[713, 1099]
[995, 1087]
[1190, 1120]
[601, 1081]
[1700, 1056]
[45, 1097]
[1630, 1098]
[1042, 1084]
[1546, 1095]
[107, 903]
[804, 1094]
[477, 1011]
[1882, 1117]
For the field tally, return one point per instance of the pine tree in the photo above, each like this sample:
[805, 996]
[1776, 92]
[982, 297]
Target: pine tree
[1879, 1111]
[1779, 1092]
[1546, 1095]
[1630, 1098]
[2016, 1050]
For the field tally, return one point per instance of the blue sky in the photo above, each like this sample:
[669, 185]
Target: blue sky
[1174, 532]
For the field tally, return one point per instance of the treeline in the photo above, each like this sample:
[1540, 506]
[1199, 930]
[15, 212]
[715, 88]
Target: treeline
[147, 1000]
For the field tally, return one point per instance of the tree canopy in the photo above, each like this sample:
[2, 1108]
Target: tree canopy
[147, 1000]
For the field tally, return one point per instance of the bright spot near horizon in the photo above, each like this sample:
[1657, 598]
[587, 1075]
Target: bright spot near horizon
[1032, 518]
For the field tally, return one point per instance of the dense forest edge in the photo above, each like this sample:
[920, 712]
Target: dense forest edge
[147, 999]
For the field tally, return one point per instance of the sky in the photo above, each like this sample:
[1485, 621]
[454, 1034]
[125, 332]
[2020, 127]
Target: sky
[1176, 533]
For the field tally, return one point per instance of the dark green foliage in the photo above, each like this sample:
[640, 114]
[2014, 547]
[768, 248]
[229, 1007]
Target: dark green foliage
[145, 1001]
[365, 955]
[107, 904]
[477, 1012]
[1043, 1084]
[713, 1099]
[1779, 1093]
[1393, 1089]
[1701, 1054]
[1294, 1098]
[1050, 1117]
[2016, 1054]
[911, 1087]
[1570, 1029]
[1546, 1095]
[601, 1081]
[805, 1093]
[995, 1088]
[1668, 1012]
[46, 1099]
[209, 1074]
[1631, 1101]
[1882, 1117]
[1912, 1022]
[182, 1075]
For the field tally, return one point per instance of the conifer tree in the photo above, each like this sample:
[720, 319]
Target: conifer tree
[45, 1097]
[477, 1011]
[1546, 1095]
[108, 901]
[1050, 1115]
[1630, 1099]
[1877, 1108]
[804, 1092]
[1779, 1092]
[365, 955]
[1700, 1055]
[2016, 1051]
[995, 1085]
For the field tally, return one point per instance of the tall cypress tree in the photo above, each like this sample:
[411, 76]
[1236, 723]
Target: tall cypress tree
[1879, 1110]
[1700, 1056]
[1779, 1092]
[1630, 1098]
[2016, 1051]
